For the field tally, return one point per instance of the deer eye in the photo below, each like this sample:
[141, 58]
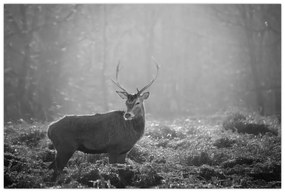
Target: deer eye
[137, 103]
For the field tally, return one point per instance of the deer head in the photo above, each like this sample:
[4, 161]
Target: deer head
[134, 102]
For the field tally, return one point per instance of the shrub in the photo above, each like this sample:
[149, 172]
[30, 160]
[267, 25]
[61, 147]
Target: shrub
[224, 142]
[138, 154]
[89, 177]
[268, 171]
[9, 148]
[21, 172]
[219, 157]
[94, 158]
[161, 132]
[208, 172]
[239, 161]
[163, 143]
[147, 177]
[47, 155]
[195, 161]
[32, 137]
[238, 122]
[198, 160]
[14, 162]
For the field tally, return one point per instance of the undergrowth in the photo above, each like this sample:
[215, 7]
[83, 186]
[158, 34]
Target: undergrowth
[240, 151]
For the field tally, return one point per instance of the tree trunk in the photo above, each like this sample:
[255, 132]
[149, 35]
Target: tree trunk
[255, 74]
[104, 64]
[247, 16]
[23, 103]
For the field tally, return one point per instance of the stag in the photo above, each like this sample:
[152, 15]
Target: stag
[113, 132]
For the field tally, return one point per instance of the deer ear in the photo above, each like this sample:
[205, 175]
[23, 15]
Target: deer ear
[123, 95]
[145, 95]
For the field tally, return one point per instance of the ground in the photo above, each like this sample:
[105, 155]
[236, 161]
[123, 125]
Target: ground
[236, 150]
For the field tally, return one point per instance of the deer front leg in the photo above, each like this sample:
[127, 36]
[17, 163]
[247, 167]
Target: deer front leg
[60, 162]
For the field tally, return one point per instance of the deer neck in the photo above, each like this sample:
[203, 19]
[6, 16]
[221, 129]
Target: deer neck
[138, 123]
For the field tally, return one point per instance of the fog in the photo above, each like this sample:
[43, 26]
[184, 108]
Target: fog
[60, 59]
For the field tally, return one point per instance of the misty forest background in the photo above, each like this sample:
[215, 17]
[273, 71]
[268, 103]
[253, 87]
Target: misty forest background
[59, 59]
[214, 113]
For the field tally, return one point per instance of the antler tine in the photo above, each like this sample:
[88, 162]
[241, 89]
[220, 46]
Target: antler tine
[149, 84]
[117, 77]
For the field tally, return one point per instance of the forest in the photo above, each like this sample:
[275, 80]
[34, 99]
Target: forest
[213, 117]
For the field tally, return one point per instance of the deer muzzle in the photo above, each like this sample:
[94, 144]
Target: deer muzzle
[129, 116]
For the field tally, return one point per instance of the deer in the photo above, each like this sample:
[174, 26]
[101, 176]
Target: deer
[114, 133]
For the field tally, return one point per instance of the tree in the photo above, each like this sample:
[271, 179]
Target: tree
[104, 61]
[259, 23]
[33, 50]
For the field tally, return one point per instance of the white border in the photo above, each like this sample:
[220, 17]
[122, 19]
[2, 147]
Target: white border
[131, 2]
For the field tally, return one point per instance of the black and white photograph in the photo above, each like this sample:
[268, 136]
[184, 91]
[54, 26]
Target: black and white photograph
[141, 95]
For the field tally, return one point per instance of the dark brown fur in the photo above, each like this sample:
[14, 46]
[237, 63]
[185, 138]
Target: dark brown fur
[99, 133]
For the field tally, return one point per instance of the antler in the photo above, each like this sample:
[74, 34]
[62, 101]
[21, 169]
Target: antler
[149, 84]
[117, 82]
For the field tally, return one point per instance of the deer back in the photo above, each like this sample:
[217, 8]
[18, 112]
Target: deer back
[100, 133]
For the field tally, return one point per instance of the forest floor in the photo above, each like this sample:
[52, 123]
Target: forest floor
[232, 151]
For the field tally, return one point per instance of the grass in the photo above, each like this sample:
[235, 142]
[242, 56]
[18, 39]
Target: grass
[185, 153]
